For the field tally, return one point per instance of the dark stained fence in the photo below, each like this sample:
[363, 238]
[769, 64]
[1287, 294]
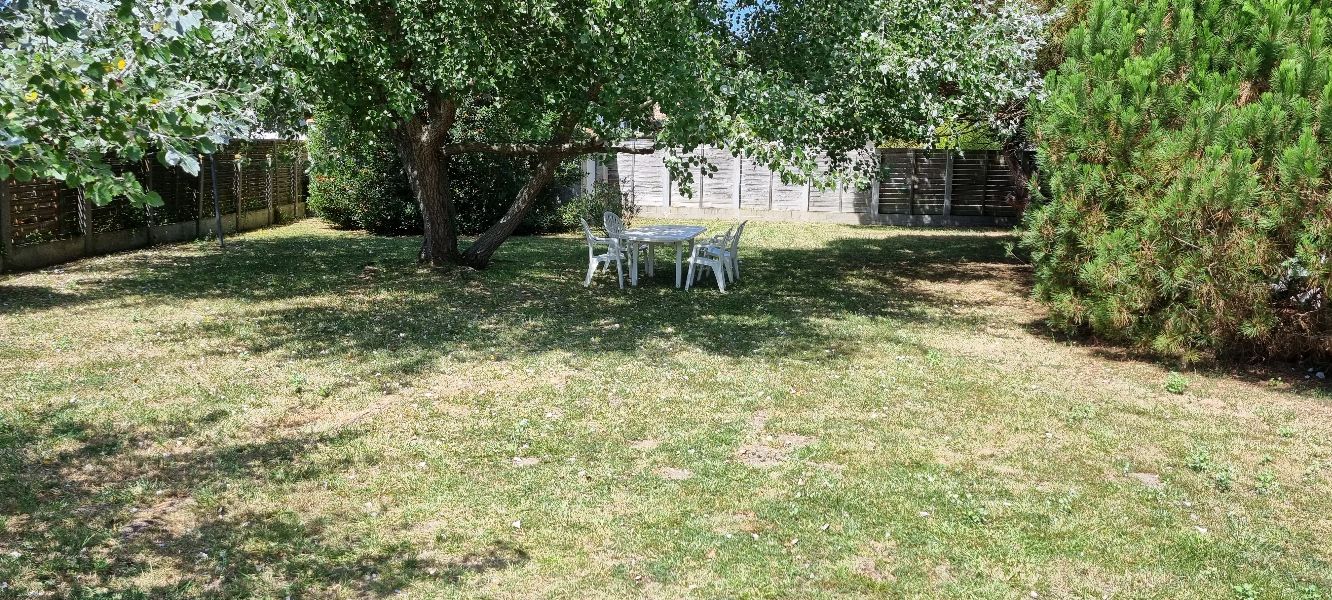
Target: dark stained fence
[260, 182]
[914, 187]
[975, 183]
[43, 211]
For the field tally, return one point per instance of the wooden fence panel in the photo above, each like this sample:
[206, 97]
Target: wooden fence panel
[969, 187]
[253, 173]
[718, 188]
[825, 199]
[895, 180]
[45, 222]
[226, 182]
[755, 185]
[930, 183]
[647, 178]
[43, 211]
[922, 186]
[179, 191]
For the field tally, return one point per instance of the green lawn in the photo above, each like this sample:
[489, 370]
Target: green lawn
[871, 412]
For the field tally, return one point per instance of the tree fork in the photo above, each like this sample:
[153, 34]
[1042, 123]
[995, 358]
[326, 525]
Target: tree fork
[478, 254]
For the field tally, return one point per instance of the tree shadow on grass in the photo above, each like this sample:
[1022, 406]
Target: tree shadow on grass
[90, 510]
[532, 300]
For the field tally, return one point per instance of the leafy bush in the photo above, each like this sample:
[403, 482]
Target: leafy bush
[357, 182]
[592, 205]
[1185, 150]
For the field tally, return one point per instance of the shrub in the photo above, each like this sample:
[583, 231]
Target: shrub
[592, 205]
[1185, 150]
[357, 182]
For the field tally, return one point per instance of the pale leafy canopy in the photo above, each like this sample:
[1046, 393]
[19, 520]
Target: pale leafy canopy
[381, 62]
[774, 80]
[836, 74]
[85, 82]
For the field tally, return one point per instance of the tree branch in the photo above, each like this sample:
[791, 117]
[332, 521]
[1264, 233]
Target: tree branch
[547, 149]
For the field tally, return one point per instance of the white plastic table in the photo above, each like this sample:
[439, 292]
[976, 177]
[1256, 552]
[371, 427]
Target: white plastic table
[651, 235]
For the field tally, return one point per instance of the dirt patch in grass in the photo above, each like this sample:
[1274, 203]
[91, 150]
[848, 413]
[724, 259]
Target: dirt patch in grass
[1151, 480]
[674, 473]
[645, 445]
[773, 451]
[172, 515]
[876, 562]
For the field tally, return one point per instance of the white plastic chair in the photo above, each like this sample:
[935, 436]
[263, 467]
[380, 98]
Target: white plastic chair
[615, 228]
[730, 252]
[709, 255]
[613, 253]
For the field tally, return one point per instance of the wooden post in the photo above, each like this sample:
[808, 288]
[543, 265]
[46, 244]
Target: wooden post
[217, 202]
[948, 185]
[633, 179]
[874, 187]
[198, 200]
[911, 182]
[985, 182]
[6, 225]
[86, 222]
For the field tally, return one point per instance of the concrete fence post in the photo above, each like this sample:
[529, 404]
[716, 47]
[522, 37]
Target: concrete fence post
[86, 222]
[736, 191]
[239, 188]
[148, 210]
[268, 188]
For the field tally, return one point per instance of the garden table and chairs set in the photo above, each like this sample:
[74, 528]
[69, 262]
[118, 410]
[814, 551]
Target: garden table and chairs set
[718, 255]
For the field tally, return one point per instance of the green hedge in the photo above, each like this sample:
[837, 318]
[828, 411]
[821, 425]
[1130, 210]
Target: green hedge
[357, 182]
[1185, 147]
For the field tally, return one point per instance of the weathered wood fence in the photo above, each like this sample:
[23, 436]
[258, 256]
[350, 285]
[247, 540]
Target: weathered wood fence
[259, 183]
[915, 187]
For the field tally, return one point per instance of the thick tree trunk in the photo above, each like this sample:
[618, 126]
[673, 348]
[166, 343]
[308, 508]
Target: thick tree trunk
[479, 253]
[427, 172]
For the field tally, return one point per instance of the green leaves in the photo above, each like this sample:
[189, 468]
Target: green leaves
[81, 89]
[1184, 147]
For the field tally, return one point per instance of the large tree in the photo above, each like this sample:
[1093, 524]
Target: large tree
[778, 81]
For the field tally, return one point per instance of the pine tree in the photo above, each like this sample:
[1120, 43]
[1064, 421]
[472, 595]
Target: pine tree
[1184, 151]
